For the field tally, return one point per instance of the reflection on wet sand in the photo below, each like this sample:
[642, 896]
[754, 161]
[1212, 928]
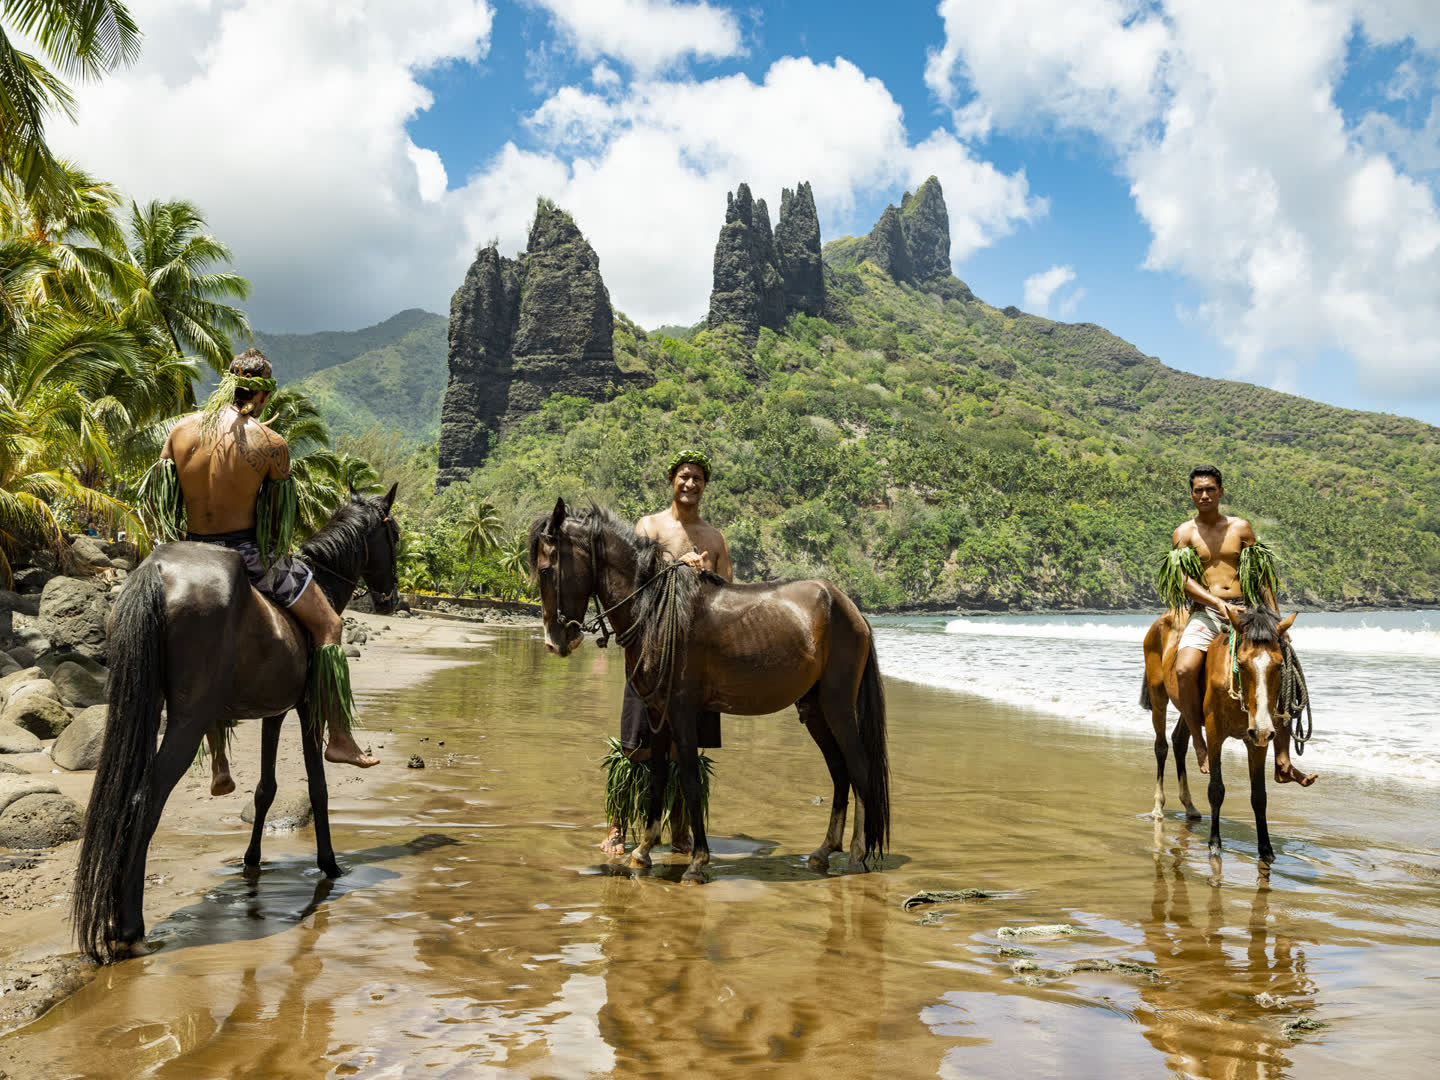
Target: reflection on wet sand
[479, 933]
[1209, 1013]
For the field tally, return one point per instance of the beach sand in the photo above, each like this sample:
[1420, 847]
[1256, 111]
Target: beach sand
[480, 933]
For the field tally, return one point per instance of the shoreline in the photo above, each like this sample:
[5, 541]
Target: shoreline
[38, 962]
[945, 611]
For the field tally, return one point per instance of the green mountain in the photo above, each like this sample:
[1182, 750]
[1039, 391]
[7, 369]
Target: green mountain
[923, 448]
[390, 375]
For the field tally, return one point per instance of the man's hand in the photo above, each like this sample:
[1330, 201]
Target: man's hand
[695, 560]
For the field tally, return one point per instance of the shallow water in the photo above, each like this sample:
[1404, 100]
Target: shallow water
[479, 933]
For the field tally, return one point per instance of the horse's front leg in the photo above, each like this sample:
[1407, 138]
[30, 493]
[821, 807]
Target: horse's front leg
[659, 774]
[1217, 788]
[689, 761]
[265, 789]
[1259, 800]
[319, 793]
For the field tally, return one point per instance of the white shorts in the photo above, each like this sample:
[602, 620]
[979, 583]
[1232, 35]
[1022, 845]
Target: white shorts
[1202, 628]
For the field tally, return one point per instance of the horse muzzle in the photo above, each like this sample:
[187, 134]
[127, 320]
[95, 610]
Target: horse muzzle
[1259, 736]
[385, 605]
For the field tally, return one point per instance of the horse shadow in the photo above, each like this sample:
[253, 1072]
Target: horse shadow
[739, 857]
[258, 902]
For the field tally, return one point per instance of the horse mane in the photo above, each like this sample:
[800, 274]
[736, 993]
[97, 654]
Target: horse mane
[340, 545]
[1260, 626]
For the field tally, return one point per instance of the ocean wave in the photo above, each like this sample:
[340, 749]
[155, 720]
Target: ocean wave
[1369, 640]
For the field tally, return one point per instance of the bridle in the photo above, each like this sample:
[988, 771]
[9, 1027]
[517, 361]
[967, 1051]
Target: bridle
[353, 584]
[599, 625]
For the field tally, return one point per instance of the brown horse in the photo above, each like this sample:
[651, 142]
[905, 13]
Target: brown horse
[1242, 698]
[190, 634]
[1156, 693]
[696, 642]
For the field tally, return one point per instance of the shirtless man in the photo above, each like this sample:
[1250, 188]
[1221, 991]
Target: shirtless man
[1218, 540]
[688, 538]
[220, 464]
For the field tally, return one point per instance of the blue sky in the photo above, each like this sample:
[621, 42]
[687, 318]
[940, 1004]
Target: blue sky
[1240, 189]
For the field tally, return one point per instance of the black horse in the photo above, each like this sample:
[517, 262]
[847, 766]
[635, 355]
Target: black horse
[189, 633]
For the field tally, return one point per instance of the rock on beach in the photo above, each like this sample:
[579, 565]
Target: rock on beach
[79, 745]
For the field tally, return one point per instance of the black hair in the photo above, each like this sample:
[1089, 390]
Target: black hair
[1206, 470]
[252, 365]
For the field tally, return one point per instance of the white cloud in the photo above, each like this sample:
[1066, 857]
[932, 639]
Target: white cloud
[285, 122]
[646, 35]
[1041, 287]
[1302, 236]
[645, 173]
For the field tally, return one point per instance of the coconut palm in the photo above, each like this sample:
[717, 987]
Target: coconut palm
[173, 286]
[82, 39]
[480, 527]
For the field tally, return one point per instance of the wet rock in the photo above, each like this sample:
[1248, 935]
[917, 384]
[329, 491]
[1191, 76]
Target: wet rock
[40, 821]
[79, 745]
[25, 655]
[26, 674]
[16, 740]
[42, 687]
[43, 717]
[352, 652]
[290, 810]
[78, 685]
[415, 762]
[72, 615]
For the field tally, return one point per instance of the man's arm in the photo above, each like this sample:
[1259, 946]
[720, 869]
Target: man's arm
[722, 559]
[277, 455]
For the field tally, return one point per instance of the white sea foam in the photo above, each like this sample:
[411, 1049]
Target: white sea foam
[1371, 685]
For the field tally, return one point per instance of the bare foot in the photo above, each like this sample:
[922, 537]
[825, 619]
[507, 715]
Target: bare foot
[344, 750]
[614, 844]
[1288, 774]
[681, 844]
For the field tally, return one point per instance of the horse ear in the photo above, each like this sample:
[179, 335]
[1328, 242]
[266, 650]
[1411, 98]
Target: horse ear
[1286, 623]
[390, 495]
[557, 519]
[1230, 614]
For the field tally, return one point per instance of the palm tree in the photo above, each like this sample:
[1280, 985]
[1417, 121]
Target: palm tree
[480, 526]
[173, 287]
[315, 467]
[83, 39]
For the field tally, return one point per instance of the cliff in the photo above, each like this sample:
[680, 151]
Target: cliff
[762, 278]
[910, 243]
[521, 330]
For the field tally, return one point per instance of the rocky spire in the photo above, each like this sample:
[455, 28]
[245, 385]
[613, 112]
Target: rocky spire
[886, 247]
[748, 290]
[927, 231]
[521, 330]
[797, 251]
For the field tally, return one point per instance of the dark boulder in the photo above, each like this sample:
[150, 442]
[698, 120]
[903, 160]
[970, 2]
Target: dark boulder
[72, 615]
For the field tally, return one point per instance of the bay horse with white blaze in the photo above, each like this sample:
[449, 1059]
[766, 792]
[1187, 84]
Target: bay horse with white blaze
[1242, 699]
[695, 642]
[191, 634]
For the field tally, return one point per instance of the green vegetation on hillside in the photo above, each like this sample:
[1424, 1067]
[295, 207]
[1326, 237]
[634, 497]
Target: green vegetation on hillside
[294, 356]
[934, 451]
[397, 385]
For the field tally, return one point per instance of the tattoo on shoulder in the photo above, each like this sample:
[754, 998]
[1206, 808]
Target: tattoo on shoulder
[264, 451]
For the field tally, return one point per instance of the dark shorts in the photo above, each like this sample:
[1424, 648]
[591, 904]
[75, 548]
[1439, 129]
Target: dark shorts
[286, 579]
[635, 723]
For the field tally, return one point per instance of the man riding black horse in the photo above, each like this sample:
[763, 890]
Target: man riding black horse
[233, 474]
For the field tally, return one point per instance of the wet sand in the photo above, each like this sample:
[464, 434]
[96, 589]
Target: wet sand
[480, 933]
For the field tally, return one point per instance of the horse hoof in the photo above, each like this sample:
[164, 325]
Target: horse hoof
[819, 863]
[1192, 814]
[692, 877]
[639, 862]
[331, 869]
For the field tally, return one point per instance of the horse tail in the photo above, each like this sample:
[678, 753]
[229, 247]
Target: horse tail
[870, 712]
[1144, 692]
[120, 799]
